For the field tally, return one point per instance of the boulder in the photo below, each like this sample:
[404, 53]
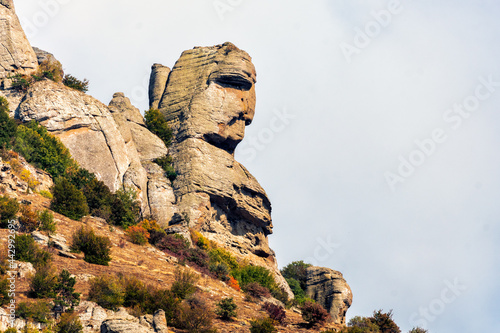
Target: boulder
[91, 316]
[160, 322]
[329, 288]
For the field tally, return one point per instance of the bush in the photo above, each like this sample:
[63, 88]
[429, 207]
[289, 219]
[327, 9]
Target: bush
[47, 223]
[314, 314]
[298, 292]
[106, 291]
[226, 308]
[8, 127]
[137, 294]
[360, 325]
[21, 82]
[8, 210]
[196, 256]
[275, 312]
[220, 270]
[166, 163]
[28, 219]
[99, 198]
[297, 270]
[42, 149]
[418, 330]
[263, 325]
[43, 283]
[11, 330]
[258, 274]
[37, 311]
[27, 250]
[51, 70]
[4, 291]
[125, 209]
[385, 322]
[184, 284]
[69, 323]
[166, 300]
[233, 283]
[256, 290]
[64, 290]
[74, 83]
[138, 235]
[157, 124]
[97, 249]
[46, 194]
[196, 316]
[175, 243]
[69, 200]
[218, 255]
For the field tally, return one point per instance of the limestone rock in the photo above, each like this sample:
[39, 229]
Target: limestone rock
[160, 322]
[16, 54]
[91, 316]
[208, 101]
[157, 84]
[83, 124]
[25, 269]
[329, 288]
[11, 181]
[133, 127]
[44, 57]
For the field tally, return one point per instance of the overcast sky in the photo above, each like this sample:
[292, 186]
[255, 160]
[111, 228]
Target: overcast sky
[376, 132]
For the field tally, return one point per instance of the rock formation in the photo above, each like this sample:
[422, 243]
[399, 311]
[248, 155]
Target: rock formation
[208, 100]
[16, 54]
[157, 84]
[328, 288]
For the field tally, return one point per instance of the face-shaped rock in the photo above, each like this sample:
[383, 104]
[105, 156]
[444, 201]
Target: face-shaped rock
[211, 95]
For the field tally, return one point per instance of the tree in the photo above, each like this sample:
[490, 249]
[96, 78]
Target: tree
[157, 124]
[65, 294]
[385, 322]
[8, 127]
[226, 308]
[68, 200]
[296, 270]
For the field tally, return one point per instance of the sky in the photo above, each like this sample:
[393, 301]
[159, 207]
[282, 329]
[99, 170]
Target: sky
[376, 131]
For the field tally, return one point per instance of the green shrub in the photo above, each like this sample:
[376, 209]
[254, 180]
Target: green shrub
[175, 243]
[297, 270]
[51, 70]
[137, 294]
[107, 291]
[196, 256]
[4, 291]
[68, 200]
[72, 82]
[8, 127]
[8, 210]
[418, 330]
[262, 325]
[314, 313]
[258, 274]
[47, 223]
[125, 209]
[220, 270]
[97, 249]
[21, 82]
[360, 325]
[42, 284]
[298, 292]
[42, 149]
[38, 311]
[166, 163]
[166, 300]
[27, 250]
[46, 194]
[184, 284]
[99, 198]
[11, 330]
[69, 323]
[219, 255]
[226, 308]
[64, 290]
[157, 124]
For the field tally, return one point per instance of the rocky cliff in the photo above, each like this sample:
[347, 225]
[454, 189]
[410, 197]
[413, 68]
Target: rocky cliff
[208, 98]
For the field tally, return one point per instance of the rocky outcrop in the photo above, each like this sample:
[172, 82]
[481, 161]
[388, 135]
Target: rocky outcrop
[208, 101]
[329, 288]
[122, 322]
[157, 84]
[16, 54]
[83, 124]
[18, 176]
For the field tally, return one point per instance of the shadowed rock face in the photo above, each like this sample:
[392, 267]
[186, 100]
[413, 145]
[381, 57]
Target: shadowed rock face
[209, 99]
[329, 288]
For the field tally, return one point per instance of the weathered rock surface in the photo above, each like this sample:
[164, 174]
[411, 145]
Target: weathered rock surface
[208, 101]
[15, 174]
[83, 124]
[16, 54]
[122, 322]
[91, 316]
[329, 288]
[157, 84]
